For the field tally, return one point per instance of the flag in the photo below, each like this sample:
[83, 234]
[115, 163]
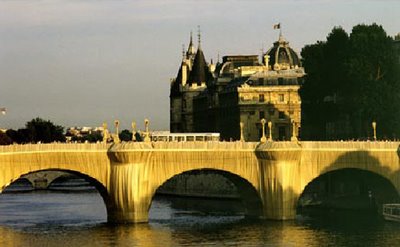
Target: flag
[277, 26]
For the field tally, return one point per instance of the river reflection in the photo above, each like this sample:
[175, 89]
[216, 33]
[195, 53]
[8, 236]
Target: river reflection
[46, 218]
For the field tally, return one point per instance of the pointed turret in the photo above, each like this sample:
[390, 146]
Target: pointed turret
[200, 72]
[191, 51]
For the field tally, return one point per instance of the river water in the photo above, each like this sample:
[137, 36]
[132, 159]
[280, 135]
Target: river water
[54, 218]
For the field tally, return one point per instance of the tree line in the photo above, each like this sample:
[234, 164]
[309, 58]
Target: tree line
[45, 131]
[352, 80]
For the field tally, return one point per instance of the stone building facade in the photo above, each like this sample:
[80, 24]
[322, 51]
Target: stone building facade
[240, 89]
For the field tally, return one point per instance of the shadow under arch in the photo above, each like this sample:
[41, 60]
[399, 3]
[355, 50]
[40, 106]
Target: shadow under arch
[100, 188]
[248, 194]
[21, 182]
[355, 175]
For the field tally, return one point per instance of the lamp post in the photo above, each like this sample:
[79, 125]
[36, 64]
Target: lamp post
[294, 137]
[3, 112]
[147, 133]
[105, 133]
[270, 131]
[134, 131]
[374, 127]
[263, 138]
[116, 137]
[241, 132]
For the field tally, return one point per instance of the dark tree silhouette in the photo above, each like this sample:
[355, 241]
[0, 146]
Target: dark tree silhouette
[125, 135]
[351, 81]
[44, 131]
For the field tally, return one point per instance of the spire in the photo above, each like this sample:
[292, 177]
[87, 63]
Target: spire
[200, 72]
[190, 51]
[199, 35]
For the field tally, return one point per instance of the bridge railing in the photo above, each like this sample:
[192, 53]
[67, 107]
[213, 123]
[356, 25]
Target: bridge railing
[55, 147]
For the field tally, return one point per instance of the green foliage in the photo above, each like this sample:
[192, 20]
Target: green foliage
[44, 131]
[5, 139]
[18, 136]
[125, 135]
[351, 81]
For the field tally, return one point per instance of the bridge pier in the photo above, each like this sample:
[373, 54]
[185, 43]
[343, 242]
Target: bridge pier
[130, 194]
[118, 216]
[279, 179]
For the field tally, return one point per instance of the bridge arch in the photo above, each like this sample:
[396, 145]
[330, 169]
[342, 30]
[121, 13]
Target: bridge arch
[348, 188]
[247, 192]
[100, 187]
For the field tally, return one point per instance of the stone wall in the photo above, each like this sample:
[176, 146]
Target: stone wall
[200, 184]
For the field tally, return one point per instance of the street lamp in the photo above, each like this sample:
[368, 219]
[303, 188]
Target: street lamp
[270, 131]
[147, 133]
[263, 138]
[3, 112]
[374, 128]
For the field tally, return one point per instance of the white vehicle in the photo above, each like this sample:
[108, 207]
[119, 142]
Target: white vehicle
[166, 136]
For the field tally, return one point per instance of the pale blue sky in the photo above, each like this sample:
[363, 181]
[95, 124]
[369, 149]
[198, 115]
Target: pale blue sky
[82, 62]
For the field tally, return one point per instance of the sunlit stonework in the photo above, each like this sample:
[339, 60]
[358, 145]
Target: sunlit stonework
[218, 97]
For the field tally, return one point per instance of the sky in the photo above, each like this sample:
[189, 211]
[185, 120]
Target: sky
[85, 62]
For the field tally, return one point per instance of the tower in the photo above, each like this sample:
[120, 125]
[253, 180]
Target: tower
[191, 80]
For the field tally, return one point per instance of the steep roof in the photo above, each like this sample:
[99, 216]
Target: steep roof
[175, 92]
[200, 72]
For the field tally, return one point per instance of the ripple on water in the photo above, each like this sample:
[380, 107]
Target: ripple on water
[78, 219]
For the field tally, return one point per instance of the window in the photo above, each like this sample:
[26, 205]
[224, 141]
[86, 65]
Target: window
[271, 112]
[281, 115]
[261, 98]
[281, 97]
[262, 114]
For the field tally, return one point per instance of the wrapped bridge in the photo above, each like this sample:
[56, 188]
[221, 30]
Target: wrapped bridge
[270, 177]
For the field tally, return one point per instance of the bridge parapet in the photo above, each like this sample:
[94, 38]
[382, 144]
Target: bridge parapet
[53, 147]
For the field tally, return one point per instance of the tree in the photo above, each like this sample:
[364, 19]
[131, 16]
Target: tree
[5, 139]
[19, 136]
[44, 131]
[125, 135]
[351, 81]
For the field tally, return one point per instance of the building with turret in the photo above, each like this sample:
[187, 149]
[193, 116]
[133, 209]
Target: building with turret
[191, 80]
[240, 89]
